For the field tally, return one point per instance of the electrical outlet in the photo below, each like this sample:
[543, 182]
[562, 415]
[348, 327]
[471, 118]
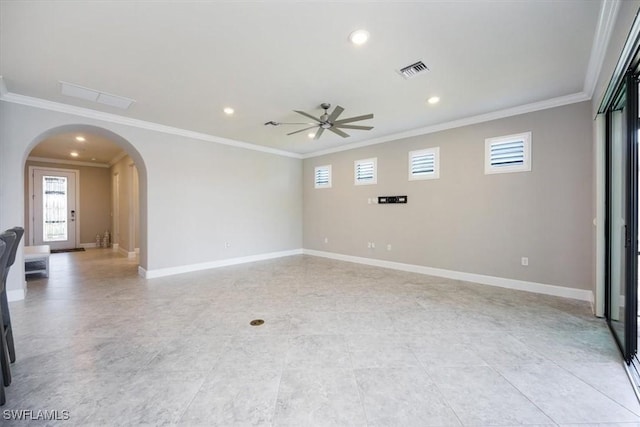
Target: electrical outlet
[227, 244]
[369, 245]
[389, 247]
[326, 240]
[369, 200]
[524, 261]
[373, 245]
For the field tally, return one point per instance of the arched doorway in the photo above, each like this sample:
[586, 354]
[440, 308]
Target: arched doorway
[128, 167]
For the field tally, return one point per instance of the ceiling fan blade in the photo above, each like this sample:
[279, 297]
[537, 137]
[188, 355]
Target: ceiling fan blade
[308, 115]
[302, 130]
[338, 132]
[354, 119]
[297, 123]
[353, 127]
[336, 112]
[318, 133]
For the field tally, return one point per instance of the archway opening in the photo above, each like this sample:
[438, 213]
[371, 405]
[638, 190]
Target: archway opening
[112, 174]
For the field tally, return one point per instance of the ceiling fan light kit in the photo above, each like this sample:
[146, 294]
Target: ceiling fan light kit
[327, 121]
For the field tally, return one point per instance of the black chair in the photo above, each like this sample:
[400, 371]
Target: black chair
[8, 237]
[3, 399]
[4, 303]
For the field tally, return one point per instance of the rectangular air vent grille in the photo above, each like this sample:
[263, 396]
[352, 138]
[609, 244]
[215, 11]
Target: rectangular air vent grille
[413, 70]
[77, 91]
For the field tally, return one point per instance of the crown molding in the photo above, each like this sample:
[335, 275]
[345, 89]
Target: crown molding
[604, 29]
[66, 162]
[624, 61]
[142, 124]
[117, 158]
[495, 115]
[113, 118]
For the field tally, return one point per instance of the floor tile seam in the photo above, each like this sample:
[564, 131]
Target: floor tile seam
[603, 394]
[188, 405]
[351, 351]
[277, 394]
[523, 394]
[530, 348]
[360, 394]
[440, 393]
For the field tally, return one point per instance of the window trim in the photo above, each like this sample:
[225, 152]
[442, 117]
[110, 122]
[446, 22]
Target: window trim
[373, 160]
[525, 167]
[315, 177]
[436, 164]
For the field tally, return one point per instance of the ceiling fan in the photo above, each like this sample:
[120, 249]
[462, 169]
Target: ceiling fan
[327, 121]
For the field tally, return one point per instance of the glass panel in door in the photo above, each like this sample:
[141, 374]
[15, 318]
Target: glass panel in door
[622, 218]
[54, 209]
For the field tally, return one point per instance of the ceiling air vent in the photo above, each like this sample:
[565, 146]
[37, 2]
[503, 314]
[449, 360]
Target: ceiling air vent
[413, 70]
[77, 91]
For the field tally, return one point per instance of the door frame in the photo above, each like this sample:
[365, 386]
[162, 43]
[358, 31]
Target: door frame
[628, 89]
[30, 235]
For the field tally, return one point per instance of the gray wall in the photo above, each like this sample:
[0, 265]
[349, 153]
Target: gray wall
[467, 221]
[194, 195]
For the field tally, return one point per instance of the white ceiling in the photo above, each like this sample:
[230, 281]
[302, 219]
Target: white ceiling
[183, 62]
[95, 149]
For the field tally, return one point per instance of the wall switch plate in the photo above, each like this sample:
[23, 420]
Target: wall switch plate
[326, 240]
[525, 261]
[389, 247]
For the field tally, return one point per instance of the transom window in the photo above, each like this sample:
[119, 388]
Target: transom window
[365, 171]
[511, 153]
[322, 176]
[424, 164]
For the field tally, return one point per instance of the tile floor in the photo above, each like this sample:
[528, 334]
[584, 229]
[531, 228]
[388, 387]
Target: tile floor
[342, 344]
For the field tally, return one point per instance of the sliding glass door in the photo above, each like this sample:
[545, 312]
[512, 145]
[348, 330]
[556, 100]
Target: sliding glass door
[622, 216]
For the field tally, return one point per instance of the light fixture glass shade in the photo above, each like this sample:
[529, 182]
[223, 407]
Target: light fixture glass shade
[359, 37]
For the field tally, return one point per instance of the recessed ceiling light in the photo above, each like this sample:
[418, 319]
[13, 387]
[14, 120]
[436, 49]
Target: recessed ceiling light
[74, 154]
[433, 100]
[311, 135]
[229, 111]
[80, 138]
[359, 37]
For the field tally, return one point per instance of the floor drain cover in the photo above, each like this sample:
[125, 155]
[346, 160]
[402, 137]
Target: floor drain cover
[256, 322]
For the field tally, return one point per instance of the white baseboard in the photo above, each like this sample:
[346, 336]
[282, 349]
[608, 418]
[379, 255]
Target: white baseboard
[88, 245]
[539, 288]
[122, 251]
[170, 271]
[16, 294]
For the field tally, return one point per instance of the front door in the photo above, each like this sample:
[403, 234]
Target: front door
[54, 210]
